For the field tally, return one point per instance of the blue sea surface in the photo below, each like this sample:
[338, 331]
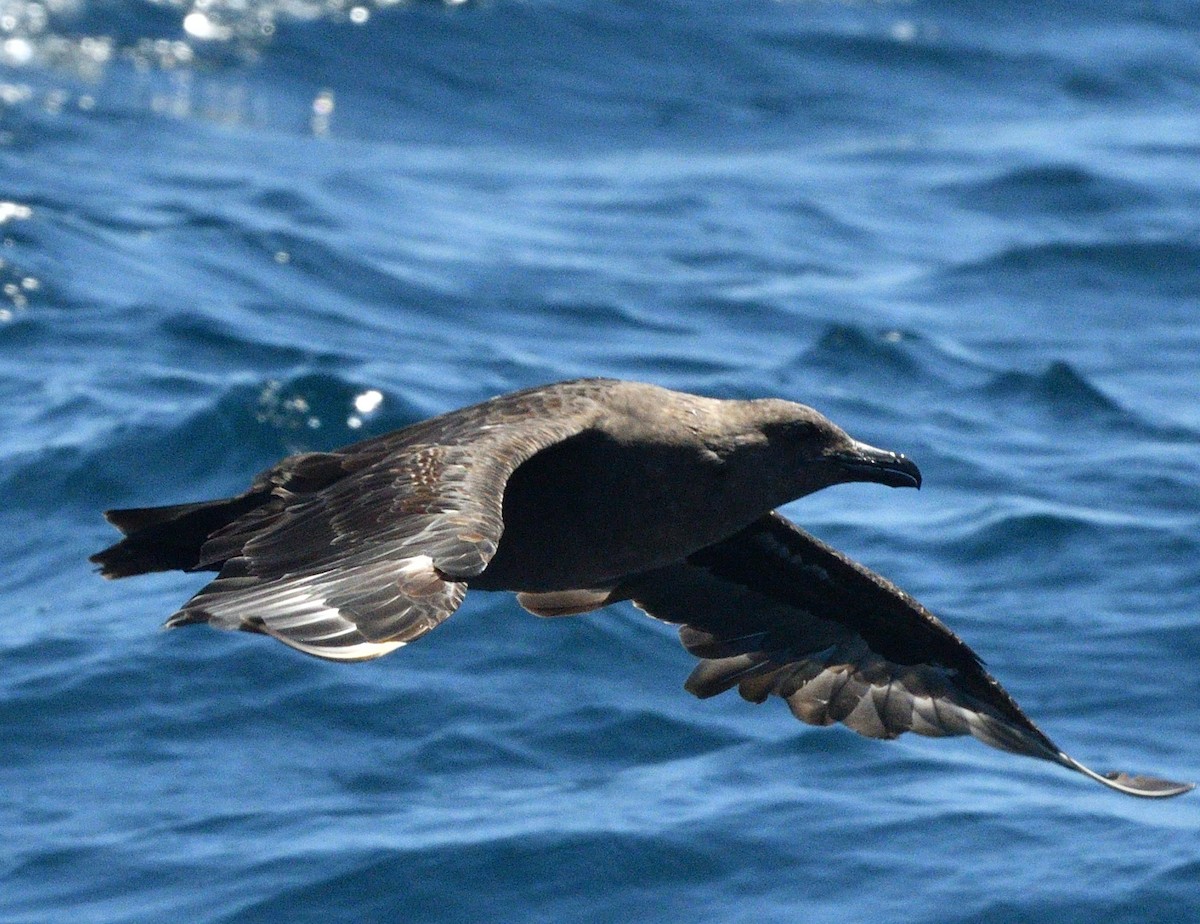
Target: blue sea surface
[966, 231]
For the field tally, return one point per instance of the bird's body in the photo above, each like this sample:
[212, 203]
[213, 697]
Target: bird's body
[577, 495]
[653, 478]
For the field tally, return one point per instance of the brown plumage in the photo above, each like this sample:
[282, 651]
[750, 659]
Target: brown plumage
[575, 496]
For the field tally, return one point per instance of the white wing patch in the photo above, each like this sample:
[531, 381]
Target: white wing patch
[329, 614]
[362, 651]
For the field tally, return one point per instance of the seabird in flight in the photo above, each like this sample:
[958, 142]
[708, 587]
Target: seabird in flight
[575, 496]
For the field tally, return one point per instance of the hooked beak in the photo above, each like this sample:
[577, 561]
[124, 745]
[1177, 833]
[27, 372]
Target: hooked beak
[866, 463]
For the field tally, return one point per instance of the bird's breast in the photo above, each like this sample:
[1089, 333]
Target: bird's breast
[590, 511]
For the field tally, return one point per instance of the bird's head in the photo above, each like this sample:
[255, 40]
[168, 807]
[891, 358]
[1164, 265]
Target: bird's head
[818, 453]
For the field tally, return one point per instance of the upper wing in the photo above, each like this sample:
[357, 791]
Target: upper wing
[772, 610]
[380, 556]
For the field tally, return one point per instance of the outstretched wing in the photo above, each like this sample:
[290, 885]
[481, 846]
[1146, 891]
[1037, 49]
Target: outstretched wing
[774, 611]
[380, 556]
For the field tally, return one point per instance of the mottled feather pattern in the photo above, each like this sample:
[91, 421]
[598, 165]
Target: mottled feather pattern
[331, 564]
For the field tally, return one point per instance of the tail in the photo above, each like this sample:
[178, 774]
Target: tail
[167, 538]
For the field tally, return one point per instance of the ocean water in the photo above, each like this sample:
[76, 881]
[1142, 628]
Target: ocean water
[966, 231]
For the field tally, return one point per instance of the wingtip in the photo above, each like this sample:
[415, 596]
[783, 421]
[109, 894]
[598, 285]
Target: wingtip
[102, 568]
[1144, 787]
[1148, 787]
[182, 618]
[105, 568]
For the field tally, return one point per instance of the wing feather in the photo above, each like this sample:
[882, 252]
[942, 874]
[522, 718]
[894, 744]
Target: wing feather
[375, 549]
[774, 611]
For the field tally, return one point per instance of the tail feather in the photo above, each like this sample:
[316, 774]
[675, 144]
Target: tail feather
[136, 519]
[168, 538]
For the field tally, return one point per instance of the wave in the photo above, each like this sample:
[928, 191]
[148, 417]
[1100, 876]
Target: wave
[1058, 389]
[850, 349]
[1162, 269]
[215, 448]
[530, 875]
[1034, 539]
[890, 371]
[640, 71]
[1021, 535]
[601, 737]
[1055, 190]
[1060, 395]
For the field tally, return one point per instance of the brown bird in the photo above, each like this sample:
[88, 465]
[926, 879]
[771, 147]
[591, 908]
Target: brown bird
[581, 494]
